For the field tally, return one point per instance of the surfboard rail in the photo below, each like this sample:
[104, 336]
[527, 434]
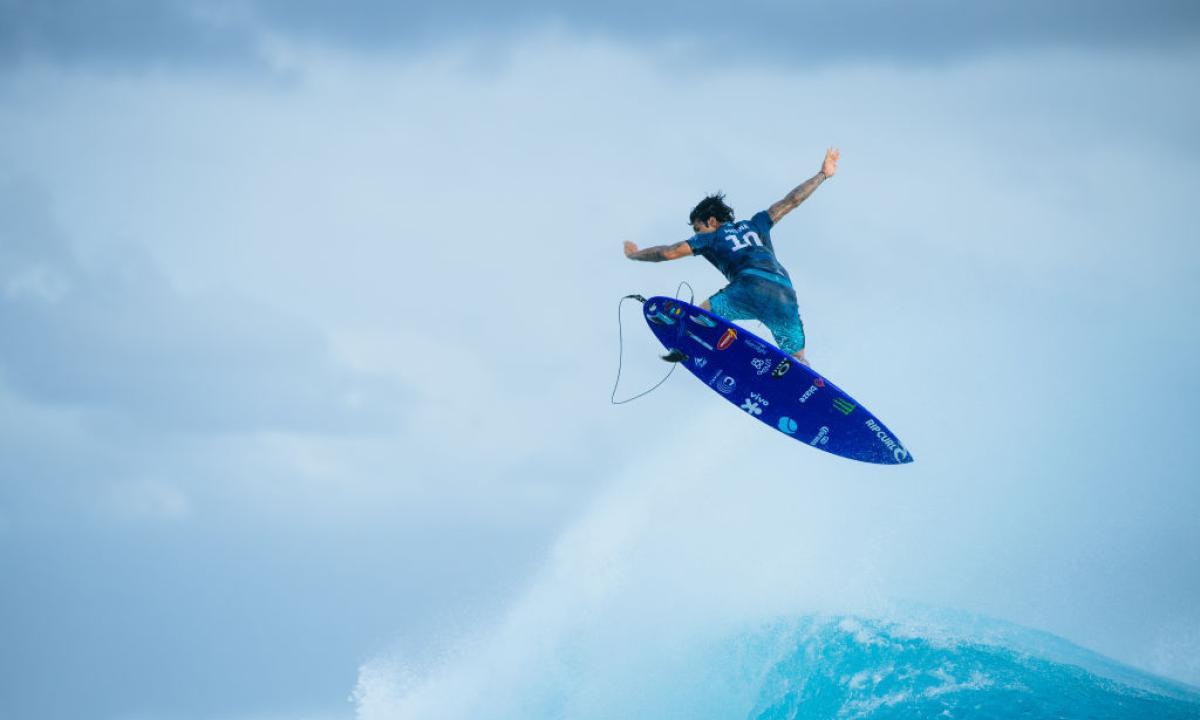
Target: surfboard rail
[771, 386]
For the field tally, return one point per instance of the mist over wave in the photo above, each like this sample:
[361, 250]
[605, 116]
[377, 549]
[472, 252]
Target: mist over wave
[684, 594]
[810, 667]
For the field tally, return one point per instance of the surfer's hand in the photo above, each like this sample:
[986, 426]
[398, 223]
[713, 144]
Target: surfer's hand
[630, 249]
[829, 167]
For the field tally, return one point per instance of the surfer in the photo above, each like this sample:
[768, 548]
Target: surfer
[759, 288]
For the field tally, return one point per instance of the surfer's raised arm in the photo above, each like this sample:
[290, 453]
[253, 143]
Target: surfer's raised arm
[801, 192]
[658, 253]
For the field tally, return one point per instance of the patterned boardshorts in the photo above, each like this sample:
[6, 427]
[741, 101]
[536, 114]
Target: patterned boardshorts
[768, 298]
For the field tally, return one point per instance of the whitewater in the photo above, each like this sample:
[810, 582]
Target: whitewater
[685, 591]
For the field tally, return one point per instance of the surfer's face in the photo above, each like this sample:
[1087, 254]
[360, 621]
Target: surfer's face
[707, 226]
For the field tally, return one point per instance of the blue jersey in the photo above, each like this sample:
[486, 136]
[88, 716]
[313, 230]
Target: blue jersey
[739, 246]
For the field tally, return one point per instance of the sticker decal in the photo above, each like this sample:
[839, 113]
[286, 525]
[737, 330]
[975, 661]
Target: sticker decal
[727, 339]
[781, 369]
[822, 437]
[696, 337]
[787, 425]
[809, 393]
[755, 403]
[843, 405]
[898, 451]
[761, 365]
[703, 320]
[756, 346]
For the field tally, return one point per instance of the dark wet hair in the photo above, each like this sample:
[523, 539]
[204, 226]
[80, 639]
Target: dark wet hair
[712, 206]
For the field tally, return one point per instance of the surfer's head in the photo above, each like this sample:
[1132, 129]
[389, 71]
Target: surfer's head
[710, 213]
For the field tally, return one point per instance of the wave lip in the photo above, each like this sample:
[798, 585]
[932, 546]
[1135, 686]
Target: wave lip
[845, 667]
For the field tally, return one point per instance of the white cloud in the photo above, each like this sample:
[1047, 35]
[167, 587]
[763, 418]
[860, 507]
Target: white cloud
[377, 222]
[112, 334]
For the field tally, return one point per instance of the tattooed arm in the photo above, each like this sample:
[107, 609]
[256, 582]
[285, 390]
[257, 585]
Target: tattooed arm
[658, 253]
[801, 192]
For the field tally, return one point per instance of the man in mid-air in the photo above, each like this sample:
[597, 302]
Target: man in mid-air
[759, 288]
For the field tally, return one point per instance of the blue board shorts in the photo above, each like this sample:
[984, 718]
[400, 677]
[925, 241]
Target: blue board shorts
[768, 298]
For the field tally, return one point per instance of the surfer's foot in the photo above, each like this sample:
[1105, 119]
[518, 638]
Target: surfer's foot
[799, 355]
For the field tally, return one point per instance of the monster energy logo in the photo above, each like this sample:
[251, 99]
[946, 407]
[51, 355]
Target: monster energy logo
[843, 406]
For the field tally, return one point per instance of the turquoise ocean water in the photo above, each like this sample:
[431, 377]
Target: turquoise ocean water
[870, 669]
[919, 663]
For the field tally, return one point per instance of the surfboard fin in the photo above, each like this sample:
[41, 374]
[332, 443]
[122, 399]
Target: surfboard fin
[675, 356]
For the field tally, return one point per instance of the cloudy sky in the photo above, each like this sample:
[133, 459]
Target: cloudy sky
[308, 325]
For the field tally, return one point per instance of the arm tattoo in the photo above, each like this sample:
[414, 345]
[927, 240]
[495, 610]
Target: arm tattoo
[658, 253]
[798, 195]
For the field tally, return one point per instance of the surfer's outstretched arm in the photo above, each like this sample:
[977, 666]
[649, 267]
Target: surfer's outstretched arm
[658, 253]
[801, 192]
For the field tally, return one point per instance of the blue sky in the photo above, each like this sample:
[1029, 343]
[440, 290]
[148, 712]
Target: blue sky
[308, 330]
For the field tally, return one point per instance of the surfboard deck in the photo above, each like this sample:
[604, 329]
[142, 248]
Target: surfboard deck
[771, 386]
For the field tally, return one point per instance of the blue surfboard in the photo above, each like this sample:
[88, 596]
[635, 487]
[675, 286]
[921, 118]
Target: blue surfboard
[767, 384]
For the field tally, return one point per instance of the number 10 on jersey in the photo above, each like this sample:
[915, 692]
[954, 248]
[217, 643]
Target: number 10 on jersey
[741, 242]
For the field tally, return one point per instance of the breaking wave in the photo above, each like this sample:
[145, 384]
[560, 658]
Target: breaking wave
[851, 668]
[690, 597]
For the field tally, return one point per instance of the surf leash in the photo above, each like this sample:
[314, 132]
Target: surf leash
[621, 346]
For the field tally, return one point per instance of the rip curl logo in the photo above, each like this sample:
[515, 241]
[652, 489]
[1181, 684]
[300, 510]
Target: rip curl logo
[898, 451]
[703, 321]
[761, 365]
[727, 339]
[781, 369]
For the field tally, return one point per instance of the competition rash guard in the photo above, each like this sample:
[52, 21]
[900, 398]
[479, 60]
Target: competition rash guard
[738, 246]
